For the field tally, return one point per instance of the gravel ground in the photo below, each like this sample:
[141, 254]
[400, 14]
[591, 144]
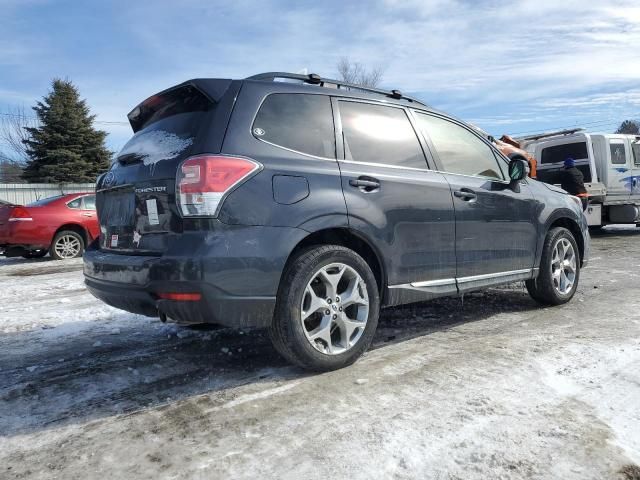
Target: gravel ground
[492, 387]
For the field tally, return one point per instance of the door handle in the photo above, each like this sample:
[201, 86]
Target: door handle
[87, 214]
[465, 194]
[365, 184]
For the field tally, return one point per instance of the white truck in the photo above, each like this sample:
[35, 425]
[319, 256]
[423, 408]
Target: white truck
[610, 164]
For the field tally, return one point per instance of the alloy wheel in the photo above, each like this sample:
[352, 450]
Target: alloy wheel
[68, 246]
[334, 308]
[563, 266]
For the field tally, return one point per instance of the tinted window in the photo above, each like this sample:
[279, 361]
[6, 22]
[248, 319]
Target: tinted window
[89, 202]
[75, 203]
[618, 153]
[554, 175]
[378, 134]
[459, 150]
[300, 122]
[560, 153]
[180, 100]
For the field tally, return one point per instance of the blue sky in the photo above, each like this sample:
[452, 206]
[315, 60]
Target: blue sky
[528, 67]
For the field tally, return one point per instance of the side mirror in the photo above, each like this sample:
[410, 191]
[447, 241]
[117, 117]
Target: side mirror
[518, 171]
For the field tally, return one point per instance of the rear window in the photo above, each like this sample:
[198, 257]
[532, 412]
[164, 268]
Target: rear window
[618, 153]
[379, 134]
[299, 122]
[166, 126]
[45, 201]
[186, 99]
[559, 153]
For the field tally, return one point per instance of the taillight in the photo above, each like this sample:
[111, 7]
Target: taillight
[204, 180]
[20, 214]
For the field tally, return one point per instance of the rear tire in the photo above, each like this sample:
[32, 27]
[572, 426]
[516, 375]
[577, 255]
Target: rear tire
[67, 244]
[559, 273]
[327, 309]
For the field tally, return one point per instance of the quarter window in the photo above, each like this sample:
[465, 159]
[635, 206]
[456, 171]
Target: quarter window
[379, 134]
[459, 150]
[618, 153]
[299, 122]
[77, 203]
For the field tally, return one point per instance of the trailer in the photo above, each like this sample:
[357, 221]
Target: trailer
[610, 164]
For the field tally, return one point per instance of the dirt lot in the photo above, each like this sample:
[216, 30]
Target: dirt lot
[492, 387]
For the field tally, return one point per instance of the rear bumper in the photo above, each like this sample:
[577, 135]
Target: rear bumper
[22, 235]
[236, 270]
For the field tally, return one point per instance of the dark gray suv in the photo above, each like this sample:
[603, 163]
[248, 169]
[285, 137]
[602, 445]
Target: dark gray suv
[304, 205]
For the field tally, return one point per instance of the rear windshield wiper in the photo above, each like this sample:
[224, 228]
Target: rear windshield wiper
[129, 158]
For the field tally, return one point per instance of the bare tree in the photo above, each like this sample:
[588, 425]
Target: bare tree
[357, 73]
[13, 133]
[629, 126]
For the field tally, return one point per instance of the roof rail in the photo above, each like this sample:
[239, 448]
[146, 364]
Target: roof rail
[315, 79]
[540, 136]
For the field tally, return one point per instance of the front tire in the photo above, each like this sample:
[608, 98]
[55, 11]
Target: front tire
[327, 309]
[559, 273]
[67, 244]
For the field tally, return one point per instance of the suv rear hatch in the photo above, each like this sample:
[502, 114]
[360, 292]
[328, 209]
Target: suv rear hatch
[136, 199]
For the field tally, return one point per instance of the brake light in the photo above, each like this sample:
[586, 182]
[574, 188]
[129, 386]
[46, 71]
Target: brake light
[203, 182]
[181, 297]
[20, 214]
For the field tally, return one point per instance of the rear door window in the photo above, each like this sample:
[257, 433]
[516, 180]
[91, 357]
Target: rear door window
[299, 122]
[618, 152]
[460, 150]
[89, 202]
[559, 153]
[380, 134]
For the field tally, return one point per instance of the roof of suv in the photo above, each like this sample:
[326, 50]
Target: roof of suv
[283, 82]
[215, 87]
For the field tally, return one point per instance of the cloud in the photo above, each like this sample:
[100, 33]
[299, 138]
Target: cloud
[529, 63]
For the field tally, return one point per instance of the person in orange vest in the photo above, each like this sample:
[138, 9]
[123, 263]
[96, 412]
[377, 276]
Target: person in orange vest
[572, 181]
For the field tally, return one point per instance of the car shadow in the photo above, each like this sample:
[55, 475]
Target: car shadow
[51, 379]
[7, 261]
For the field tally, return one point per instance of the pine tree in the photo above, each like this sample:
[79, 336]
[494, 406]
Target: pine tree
[64, 147]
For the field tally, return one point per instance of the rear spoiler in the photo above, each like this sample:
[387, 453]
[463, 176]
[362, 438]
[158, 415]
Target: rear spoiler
[212, 88]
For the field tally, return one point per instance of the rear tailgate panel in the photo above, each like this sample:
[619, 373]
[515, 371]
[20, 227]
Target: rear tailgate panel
[136, 199]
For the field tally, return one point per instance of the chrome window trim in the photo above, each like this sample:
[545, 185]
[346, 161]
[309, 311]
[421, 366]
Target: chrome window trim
[386, 165]
[314, 157]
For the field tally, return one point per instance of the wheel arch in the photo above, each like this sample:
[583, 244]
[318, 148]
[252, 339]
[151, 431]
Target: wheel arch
[74, 227]
[571, 225]
[347, 238]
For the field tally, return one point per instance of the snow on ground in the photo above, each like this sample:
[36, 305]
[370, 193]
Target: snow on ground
[496, 387]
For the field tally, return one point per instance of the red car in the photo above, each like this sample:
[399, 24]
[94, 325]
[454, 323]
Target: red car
[61, 226]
